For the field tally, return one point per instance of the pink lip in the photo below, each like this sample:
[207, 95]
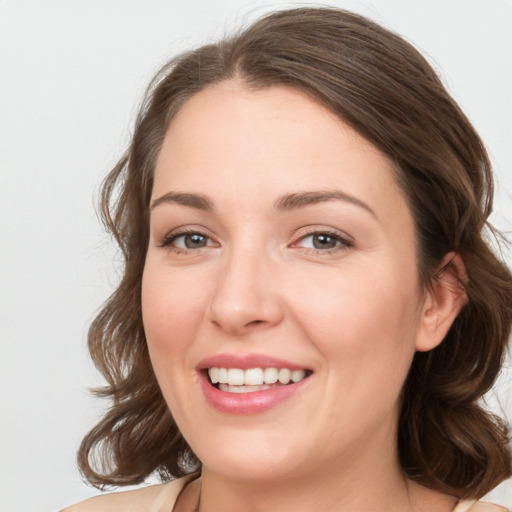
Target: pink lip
[247, 403]
[245, 362]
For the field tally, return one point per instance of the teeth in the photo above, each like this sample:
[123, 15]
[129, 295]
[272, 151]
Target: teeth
[254, 377]
[270, 375]
[284, 375]
[214, 375]
[298, 375]
[242, 389]
[223, 376]
[236, 377]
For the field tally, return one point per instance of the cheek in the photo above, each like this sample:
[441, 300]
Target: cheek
[172, 310]
[364, 329]
[365, 320]
[358, 300]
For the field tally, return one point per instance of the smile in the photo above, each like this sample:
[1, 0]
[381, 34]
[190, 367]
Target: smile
[252, 383]
[237, 380]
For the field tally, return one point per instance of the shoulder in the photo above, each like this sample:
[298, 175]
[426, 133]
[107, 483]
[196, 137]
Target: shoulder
[477, 506]
[154, 498]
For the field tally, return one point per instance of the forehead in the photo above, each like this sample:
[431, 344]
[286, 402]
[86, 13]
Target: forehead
[258, 143]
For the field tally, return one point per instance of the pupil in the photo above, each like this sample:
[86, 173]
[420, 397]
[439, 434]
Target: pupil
[324, 242]
[194, 241]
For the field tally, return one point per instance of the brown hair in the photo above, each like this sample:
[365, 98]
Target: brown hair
[381, 86]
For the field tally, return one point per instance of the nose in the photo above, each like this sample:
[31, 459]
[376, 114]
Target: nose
[246, 296]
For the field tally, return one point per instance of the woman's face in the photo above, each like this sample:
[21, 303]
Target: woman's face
[279, 241]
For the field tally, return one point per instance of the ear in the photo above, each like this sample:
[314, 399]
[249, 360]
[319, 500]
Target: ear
[443, 302]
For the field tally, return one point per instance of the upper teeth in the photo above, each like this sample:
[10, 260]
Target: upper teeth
[254, 376]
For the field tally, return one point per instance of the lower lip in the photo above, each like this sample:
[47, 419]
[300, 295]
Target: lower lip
[249, 403]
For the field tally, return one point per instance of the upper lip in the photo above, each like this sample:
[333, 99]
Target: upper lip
[247, 361]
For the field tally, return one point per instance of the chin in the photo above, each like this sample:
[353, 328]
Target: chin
[249, 456]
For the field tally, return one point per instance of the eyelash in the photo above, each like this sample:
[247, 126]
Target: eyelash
[342, 243]
[168, 240]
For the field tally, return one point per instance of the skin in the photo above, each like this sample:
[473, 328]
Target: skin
[354, 313]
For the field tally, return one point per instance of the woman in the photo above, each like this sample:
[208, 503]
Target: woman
[308, 312]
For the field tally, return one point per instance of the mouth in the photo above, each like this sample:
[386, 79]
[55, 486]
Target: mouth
[238, 380]
[251, 384]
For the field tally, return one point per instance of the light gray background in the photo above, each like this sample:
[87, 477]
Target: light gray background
[71, 75]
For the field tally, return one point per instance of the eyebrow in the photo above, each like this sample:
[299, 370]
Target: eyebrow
[303, 199]
[287, 202]
[197, 201]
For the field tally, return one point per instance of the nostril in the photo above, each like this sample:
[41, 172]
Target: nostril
[236, 313]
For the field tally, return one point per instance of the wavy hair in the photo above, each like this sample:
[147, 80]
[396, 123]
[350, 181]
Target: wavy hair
[384, 89]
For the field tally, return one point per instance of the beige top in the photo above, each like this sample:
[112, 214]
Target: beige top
[162, 497]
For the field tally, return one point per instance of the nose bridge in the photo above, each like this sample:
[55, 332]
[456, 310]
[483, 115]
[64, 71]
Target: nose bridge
[246, 296]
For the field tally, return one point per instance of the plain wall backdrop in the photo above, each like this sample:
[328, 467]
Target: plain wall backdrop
[72, 73]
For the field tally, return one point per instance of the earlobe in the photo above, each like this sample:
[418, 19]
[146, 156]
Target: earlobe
[443, 302]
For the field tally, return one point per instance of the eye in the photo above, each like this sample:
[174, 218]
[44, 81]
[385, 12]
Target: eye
[323, 241]
[187, 241]
[191, 241]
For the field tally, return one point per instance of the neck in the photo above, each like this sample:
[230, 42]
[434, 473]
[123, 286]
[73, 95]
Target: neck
[376, 487]
[365, 476]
